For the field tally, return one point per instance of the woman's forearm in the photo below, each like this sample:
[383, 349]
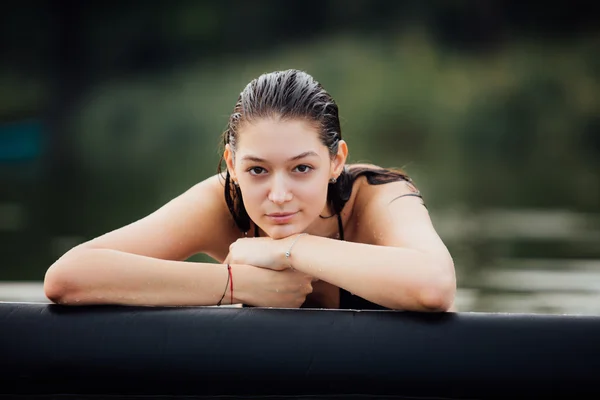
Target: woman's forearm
[104, 276]
[397, 278]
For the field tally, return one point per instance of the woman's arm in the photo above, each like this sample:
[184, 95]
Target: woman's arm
[106, 276]
[399, 261]
[143, 263]
[394, 277]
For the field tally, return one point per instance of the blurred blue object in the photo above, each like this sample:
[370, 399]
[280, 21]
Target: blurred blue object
[20, 140]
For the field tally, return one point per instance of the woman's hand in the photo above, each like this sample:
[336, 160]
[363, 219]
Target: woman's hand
[260, 252]
[269, 281]
[263, 287]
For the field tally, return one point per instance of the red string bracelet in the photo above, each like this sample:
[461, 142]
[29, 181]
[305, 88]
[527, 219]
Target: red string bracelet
[230, 282]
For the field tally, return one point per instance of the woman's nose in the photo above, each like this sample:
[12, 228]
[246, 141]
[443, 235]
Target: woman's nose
[279, 192]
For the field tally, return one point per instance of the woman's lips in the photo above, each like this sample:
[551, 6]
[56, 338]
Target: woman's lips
[281, 218]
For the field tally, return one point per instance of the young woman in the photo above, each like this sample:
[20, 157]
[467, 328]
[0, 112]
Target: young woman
[290, 223]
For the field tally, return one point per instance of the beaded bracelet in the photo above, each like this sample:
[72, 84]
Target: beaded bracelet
[289, 252]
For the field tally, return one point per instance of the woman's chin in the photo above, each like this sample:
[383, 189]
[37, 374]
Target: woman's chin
[281, 231]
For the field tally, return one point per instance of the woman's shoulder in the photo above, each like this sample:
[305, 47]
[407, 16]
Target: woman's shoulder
[366, 176]
[375, 185]
[209, 195]
[195, 221]
[204, 215]
[383, 201]
[375, 174]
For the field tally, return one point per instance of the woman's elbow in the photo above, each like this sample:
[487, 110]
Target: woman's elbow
[59, 285]
[438, 294]
[54, 287]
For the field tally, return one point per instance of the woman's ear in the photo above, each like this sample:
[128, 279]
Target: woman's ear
[229, 157]
[339, 160]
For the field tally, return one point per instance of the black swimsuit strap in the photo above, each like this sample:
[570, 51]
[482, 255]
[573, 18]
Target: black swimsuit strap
[340, 227]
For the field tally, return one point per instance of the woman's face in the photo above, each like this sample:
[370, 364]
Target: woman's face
[283, 171]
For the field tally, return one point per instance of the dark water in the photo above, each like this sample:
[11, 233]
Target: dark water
[540, 261]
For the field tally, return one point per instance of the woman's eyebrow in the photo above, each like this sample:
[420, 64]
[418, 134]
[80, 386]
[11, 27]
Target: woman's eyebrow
[299, 156]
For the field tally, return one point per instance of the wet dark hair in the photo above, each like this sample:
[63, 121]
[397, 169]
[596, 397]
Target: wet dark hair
[295, 95]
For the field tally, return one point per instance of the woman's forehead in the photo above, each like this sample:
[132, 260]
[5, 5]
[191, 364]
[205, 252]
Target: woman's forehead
[279, 135]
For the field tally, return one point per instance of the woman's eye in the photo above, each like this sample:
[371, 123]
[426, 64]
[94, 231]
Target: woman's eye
[256, 170]
[303, 168]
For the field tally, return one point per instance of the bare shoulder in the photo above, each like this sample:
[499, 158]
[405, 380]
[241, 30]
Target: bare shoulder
[196, 221]
[394, 214]
[375, 195]
[370, 197]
